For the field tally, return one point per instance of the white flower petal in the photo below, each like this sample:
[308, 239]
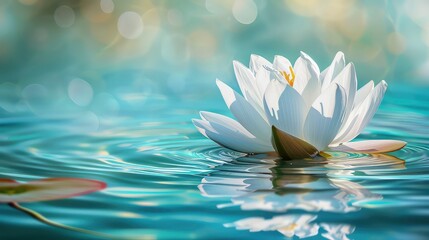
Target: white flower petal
[347, 79]
[374, 102]
[303, 73]
[257, 63]
[281, 63]
[247, 83]
[262, 81]
[322, 75]
[347, 128]
[245, 113]
[361, 115]
[230, 137]
[291, 115]
[325, 117]
[333, 70]
[319, 108]
[202, 127]
[362, 93]
[226, 121]
[353, 118]
[307, 78]
[313, 63]
[258, 66]
[271, 99]
[371, 146]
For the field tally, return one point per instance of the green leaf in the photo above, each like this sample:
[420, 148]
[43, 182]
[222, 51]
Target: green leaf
[46, 189]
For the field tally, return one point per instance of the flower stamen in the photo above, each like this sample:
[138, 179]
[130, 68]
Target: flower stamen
[289, 77]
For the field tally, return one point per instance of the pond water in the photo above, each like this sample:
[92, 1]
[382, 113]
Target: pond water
[166, 181]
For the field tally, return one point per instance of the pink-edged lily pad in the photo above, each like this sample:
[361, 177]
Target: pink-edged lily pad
[46, 189]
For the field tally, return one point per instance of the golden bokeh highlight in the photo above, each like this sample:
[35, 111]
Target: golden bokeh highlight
[203, 44]
[395, 43]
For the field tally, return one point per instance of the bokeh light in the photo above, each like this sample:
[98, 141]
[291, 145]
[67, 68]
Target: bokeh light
[245, 11]
[130, 25]
[110, 55]
[107, 6]
[64, 16]
[80, 92]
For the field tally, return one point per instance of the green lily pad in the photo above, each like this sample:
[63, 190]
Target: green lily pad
[46, 189]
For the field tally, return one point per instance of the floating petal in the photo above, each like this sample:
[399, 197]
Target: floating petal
[370, 146]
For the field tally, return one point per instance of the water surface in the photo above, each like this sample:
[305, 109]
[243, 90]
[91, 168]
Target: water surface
[166, 181]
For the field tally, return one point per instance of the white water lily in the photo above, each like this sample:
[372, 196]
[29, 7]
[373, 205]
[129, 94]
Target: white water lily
[296, 110]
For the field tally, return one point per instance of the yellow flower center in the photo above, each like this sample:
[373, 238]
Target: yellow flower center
[289, 77]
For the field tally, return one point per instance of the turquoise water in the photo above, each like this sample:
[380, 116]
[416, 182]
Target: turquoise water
[166, 181]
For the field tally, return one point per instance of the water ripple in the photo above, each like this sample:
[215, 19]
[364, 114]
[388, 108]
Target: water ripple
[162, 172]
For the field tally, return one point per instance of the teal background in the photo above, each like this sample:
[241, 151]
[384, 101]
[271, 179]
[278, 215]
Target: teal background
[107, 89]
[178, 48]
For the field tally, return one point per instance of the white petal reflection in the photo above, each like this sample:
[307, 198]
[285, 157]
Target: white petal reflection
[264, 183]
[337, 231]
[281, 188]
[288, 225]
[294, 225]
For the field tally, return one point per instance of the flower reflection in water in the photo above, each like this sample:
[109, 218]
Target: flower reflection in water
[292, 225]
[325, 184]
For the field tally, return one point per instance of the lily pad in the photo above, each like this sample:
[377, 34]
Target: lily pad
[46, 189]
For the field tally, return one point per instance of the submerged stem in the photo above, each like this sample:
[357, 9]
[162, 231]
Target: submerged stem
[42, 219]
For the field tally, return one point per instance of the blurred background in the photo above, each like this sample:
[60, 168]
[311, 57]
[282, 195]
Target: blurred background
[105, 57]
